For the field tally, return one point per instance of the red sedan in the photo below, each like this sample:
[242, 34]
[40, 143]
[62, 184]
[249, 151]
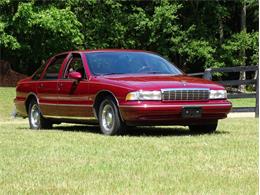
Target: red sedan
[119, 88]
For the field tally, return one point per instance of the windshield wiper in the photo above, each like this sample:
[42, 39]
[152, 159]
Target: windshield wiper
[154, 72]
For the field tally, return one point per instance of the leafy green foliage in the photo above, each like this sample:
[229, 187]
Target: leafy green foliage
[233, 46]
[43, 31]
[193, 34]
[6, 40]
[198, 49]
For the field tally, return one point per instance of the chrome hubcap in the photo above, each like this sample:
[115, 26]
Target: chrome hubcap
[107, 117]
[35, 116]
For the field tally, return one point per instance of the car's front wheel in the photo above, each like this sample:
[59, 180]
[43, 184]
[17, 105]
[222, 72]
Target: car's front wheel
[109, 118]
[205, 128]
[36, 120]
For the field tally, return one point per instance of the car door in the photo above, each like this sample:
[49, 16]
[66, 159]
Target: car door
[48, 85]
[74, 98]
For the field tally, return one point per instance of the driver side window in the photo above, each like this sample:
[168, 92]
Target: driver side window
[75, 65]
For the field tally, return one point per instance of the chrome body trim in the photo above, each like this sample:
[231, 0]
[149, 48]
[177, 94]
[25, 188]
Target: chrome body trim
[70, 105]
[185, 94]
[66, 98]
[16, 100]
[176, 89]
[172, 106]
[70, 117]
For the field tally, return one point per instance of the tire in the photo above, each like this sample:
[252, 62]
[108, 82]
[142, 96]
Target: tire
[207, 128]
[109, 118]
[36, 120]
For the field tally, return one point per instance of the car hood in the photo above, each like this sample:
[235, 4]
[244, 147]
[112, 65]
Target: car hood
[158, 82]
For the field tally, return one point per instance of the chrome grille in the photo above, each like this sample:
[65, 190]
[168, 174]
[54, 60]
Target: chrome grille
[185, 94]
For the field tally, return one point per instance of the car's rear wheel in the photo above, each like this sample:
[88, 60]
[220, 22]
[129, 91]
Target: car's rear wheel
[109, 118]
[205, 128]
[36, 120]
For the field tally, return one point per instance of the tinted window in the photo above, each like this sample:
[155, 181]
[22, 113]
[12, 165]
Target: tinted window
[75, 65]
[38, 72]
[103, 63]
[53, 69]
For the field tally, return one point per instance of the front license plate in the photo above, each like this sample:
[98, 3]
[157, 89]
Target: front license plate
[191, 112]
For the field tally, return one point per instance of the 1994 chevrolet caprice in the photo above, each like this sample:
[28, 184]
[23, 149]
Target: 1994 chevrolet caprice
[118, 88]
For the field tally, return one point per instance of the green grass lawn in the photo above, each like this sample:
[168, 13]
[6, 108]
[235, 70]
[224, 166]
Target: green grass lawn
[76, 159]
[7, 94]
[246, 102]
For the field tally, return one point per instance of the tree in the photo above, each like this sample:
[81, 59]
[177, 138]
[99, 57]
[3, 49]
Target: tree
[40, 32]
[193, 34]
[7, 40]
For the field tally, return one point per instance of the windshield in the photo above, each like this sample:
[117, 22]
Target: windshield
[106, 63]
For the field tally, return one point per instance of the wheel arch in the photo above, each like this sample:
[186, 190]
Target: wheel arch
[100, 97]
[29, 98]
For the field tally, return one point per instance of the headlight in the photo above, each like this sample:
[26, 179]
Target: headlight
[218, 94]
[144, 95]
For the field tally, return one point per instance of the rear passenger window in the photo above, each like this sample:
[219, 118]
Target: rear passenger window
[53, 69]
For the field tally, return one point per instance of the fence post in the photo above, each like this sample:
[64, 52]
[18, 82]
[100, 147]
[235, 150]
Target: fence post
[257, 96]
[207, 74]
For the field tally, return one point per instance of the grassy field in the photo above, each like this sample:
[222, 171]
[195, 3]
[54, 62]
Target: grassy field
[76, 159]
[7, 94]
[246, 102]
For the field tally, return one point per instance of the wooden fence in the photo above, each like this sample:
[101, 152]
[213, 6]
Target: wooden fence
[207, 74]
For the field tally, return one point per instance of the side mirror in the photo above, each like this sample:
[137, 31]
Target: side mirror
[75, 75]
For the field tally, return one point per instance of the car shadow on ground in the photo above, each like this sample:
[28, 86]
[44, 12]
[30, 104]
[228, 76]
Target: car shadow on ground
[138, 131]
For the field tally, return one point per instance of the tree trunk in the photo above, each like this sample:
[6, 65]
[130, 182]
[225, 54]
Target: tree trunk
[221, 29]
[243, 52]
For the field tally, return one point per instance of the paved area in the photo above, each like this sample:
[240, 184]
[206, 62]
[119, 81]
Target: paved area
[241, 114]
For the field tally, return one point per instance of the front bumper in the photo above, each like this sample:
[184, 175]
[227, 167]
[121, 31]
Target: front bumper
[160, 113]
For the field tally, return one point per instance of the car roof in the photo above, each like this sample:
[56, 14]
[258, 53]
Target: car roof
[103, 50]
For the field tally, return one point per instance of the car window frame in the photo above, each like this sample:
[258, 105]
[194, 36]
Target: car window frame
[39, 72]
[53, 59]
[66, 65]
